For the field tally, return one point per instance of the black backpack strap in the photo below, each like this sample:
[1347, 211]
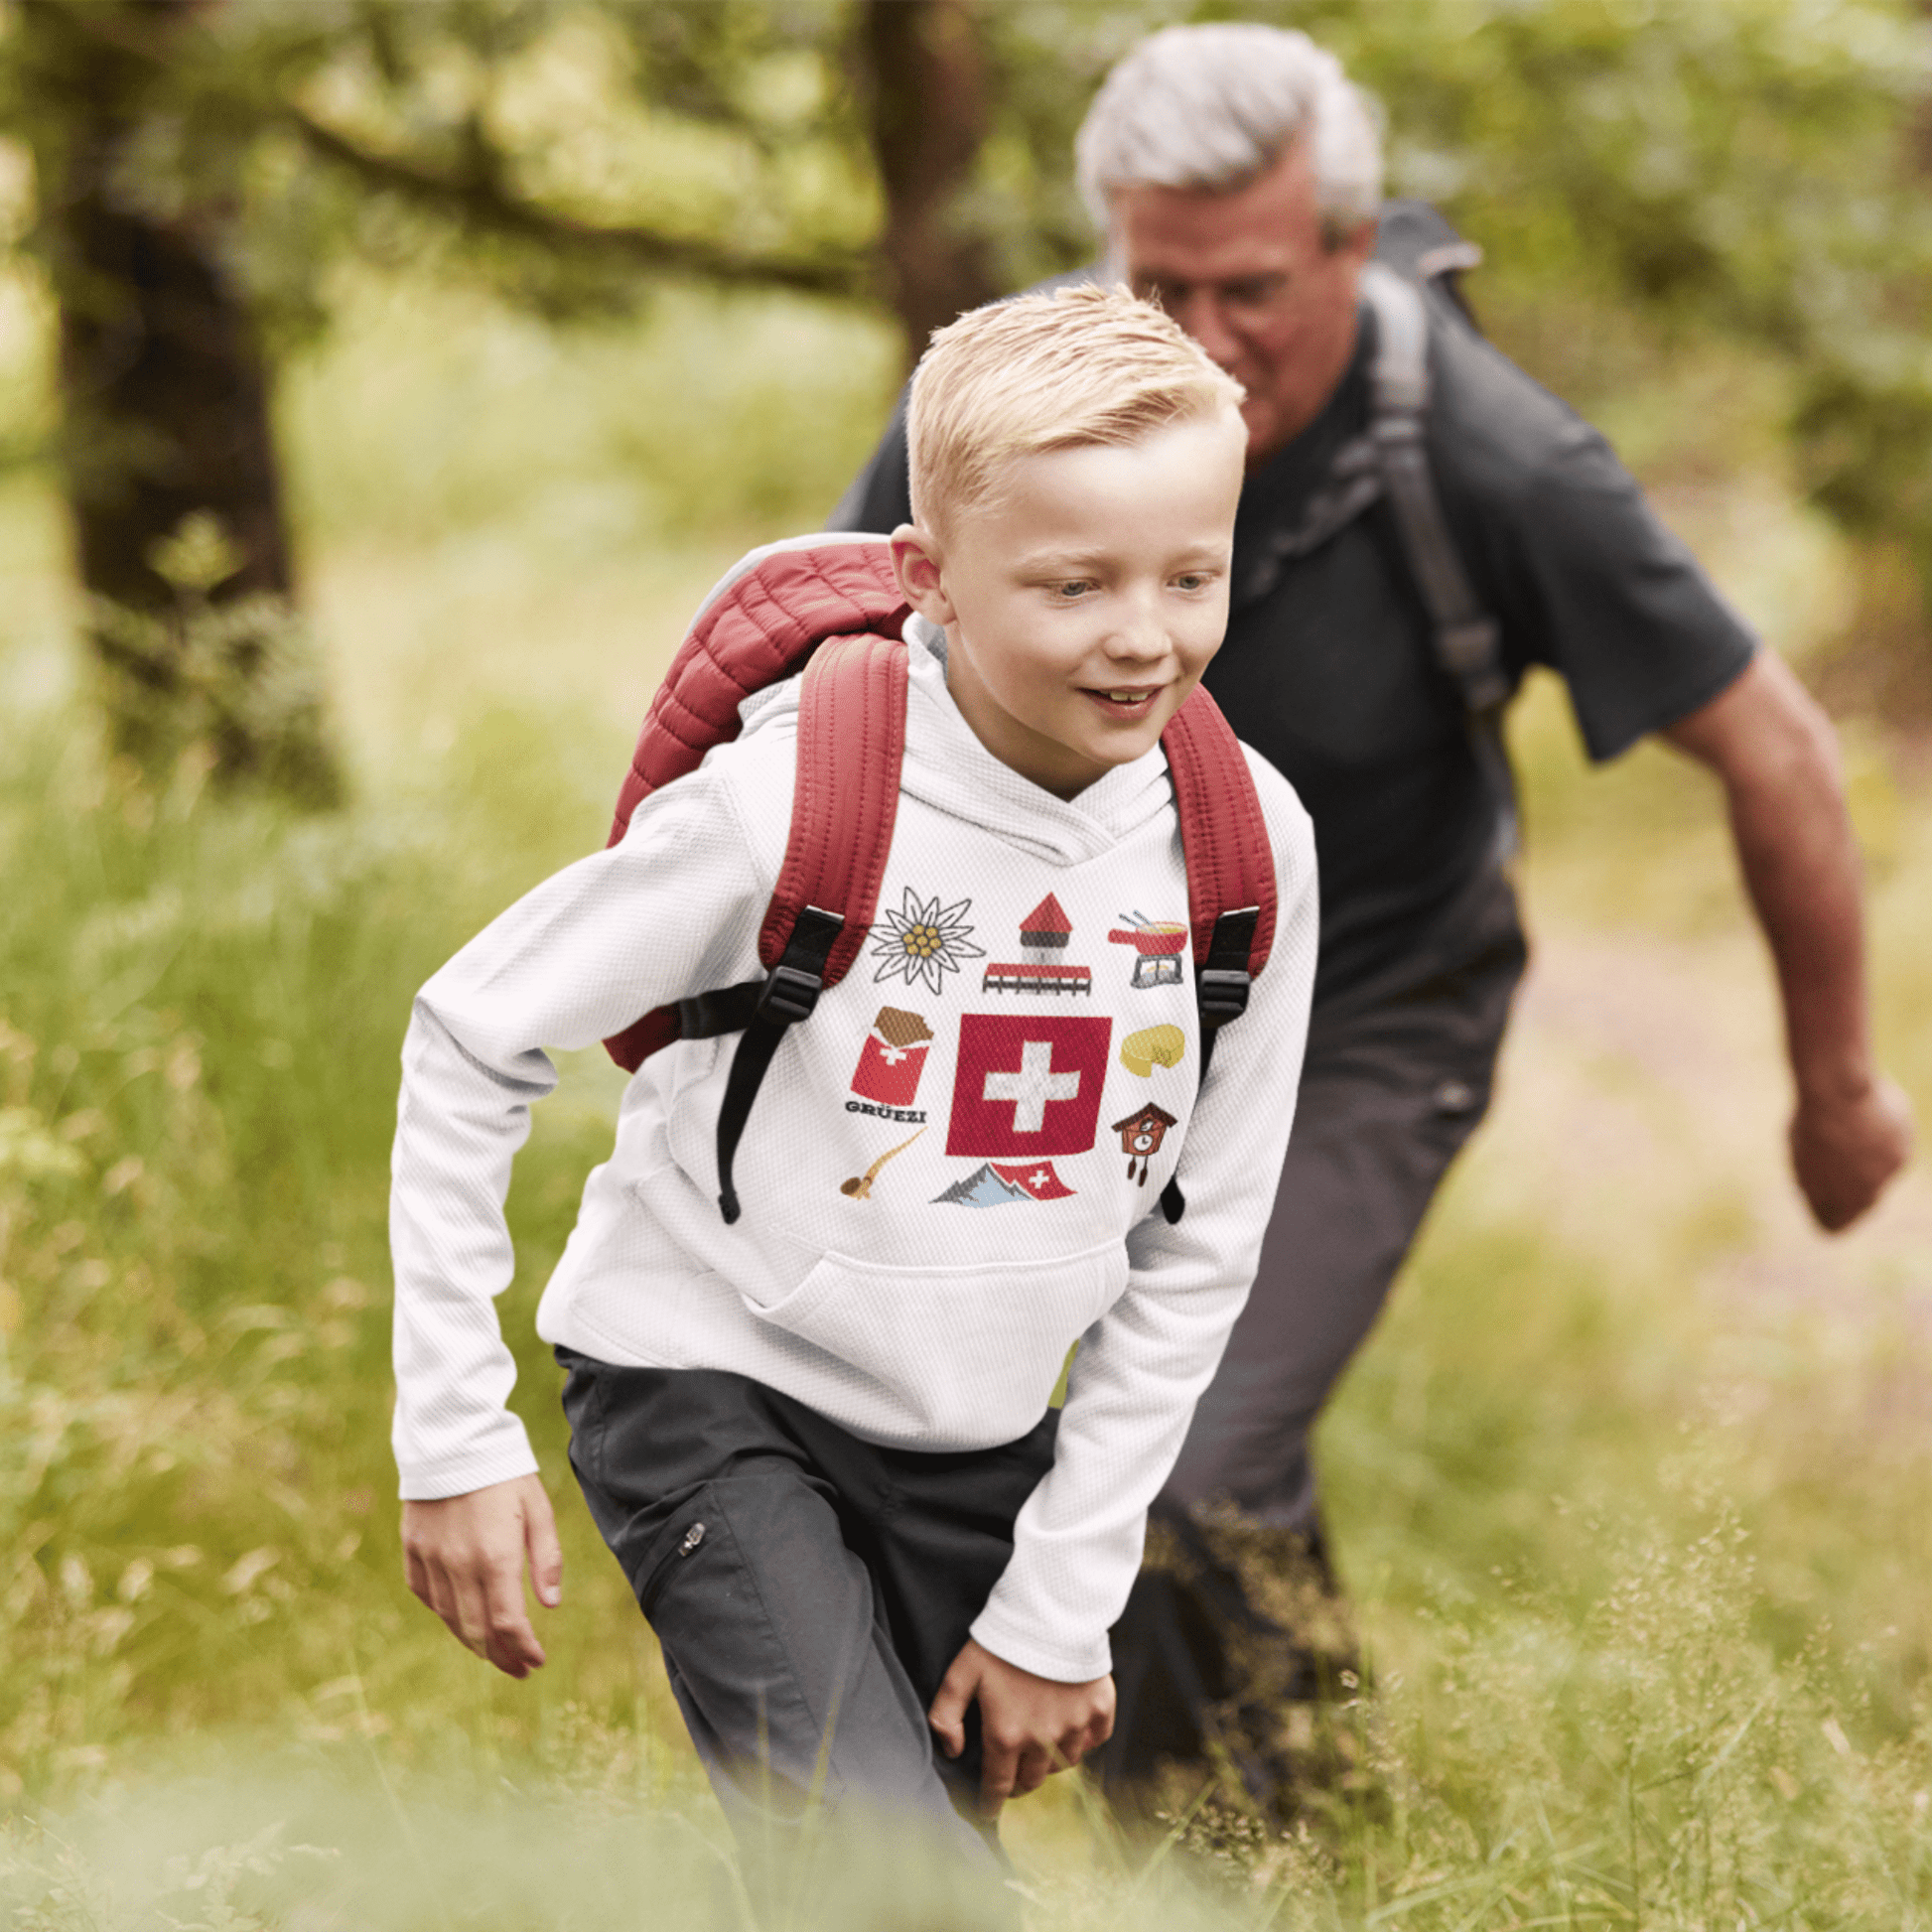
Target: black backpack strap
[845, 803]
[1416, 240]
[1354, 482]
[788, 996]
[1221, 988]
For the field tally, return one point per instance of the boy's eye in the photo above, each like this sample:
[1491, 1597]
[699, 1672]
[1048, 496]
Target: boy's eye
[1194, 580]
[1072, 588]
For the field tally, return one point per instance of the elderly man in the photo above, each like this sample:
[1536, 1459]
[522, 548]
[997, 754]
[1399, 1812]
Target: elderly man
[1380, 613]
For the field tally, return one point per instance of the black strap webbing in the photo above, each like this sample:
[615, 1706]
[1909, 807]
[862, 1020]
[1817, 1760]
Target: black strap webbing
[726, 1009]
[1221, 989]
[788, 995]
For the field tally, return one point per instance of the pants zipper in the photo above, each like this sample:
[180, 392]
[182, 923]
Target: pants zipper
[654, 1583]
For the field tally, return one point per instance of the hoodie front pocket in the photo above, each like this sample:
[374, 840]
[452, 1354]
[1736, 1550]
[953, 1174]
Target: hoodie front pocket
[971, 1352]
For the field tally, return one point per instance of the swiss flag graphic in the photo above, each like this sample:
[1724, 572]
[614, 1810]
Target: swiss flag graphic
[1035, 1176]
[1027, 1086]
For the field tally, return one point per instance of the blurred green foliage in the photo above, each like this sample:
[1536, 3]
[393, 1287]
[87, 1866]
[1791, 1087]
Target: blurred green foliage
[1635, 1658]
[1642, 1553]
[1749, 169]
[1628, 1541]
[716, 413]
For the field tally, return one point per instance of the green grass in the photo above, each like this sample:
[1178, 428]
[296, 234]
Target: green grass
[1630, 1484]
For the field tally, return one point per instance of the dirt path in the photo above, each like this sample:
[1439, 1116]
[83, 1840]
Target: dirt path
[1641, 1116]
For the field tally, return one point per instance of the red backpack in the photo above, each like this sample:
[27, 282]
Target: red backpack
[831, 606]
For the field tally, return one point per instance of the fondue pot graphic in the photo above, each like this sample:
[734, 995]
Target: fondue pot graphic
[1159, 944]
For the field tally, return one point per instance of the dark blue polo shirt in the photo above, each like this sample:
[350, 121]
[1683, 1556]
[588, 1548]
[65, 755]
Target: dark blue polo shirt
[1330, 674]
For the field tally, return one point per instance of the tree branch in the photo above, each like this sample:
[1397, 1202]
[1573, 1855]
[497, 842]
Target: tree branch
[481, 201]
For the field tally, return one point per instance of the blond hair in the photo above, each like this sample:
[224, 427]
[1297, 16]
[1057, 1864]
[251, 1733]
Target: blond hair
[1046, 372]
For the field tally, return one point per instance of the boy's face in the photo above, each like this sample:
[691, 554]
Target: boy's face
[1082, 601]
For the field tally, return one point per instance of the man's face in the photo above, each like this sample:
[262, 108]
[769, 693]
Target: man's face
[1083, 600]
[1250, 277]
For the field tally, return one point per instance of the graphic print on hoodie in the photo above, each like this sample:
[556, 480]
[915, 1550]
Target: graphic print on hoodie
[893, 1307]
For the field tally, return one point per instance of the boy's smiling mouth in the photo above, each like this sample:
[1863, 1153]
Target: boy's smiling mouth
[1124, 700]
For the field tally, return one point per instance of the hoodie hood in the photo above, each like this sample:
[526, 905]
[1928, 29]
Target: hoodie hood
[948, 769]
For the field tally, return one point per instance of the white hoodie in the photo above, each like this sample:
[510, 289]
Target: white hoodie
[942, 1180]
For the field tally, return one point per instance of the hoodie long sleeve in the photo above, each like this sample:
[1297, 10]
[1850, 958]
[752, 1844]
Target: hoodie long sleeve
[952, 1170]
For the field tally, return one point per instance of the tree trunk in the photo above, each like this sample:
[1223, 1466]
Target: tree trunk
[167, 445]
[929, 113]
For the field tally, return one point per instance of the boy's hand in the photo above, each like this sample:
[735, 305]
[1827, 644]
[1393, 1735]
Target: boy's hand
[1029, 1725]
[464, 1557]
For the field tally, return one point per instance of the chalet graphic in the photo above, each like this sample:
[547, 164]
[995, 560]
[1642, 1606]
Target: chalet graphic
[1141, 1136]
[1158, 945]
[998, 1184]
[1042, 966]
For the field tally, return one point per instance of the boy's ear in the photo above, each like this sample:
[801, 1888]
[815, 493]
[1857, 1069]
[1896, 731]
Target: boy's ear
[916, 565]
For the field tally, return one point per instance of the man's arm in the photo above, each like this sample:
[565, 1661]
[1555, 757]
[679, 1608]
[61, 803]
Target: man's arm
[1777, 758]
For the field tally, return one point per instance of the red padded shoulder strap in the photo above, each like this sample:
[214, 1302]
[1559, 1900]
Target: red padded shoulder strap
[780, 608]
[757, 628]
[851, 746]
[1223, 835]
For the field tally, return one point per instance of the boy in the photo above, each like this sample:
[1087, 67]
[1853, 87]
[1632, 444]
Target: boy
[818, 1437]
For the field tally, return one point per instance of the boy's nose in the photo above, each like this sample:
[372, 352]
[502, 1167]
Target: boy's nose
[1141, 635]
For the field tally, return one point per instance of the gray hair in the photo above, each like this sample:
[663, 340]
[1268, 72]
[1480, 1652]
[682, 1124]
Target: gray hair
[1214, 106]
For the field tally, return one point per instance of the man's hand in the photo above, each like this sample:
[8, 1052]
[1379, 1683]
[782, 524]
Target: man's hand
[1845, 1150]
[1030, 1726]
[1777, 758]
[464, 1557]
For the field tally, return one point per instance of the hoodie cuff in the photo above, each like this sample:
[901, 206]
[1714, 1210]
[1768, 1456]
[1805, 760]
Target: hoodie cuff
[1062, 1663]
[503, 1459]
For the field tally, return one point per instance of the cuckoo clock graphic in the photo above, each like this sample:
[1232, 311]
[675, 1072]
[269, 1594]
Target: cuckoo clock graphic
[1141, 1136]
[1042, 966]
[1158, 945]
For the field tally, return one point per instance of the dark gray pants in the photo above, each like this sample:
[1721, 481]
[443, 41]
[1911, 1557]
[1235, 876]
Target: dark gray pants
[808, 1591]
[1390, 1092]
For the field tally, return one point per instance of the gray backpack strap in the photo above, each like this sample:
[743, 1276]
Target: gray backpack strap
[1468, 642]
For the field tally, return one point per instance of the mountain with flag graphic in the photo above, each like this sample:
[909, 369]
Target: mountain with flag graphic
[982, 1189]
[992, 1184]
[1035, 1179]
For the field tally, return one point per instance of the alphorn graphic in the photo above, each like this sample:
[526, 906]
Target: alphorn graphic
[859, 1187]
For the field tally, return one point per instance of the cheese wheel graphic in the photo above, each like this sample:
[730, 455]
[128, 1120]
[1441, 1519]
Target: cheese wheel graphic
[1153, 1046]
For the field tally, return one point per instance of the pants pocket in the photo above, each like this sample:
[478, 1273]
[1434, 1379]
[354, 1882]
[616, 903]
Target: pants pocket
[707, 1584]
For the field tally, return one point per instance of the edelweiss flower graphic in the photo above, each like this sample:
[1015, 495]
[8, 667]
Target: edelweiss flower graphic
[924, 941]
